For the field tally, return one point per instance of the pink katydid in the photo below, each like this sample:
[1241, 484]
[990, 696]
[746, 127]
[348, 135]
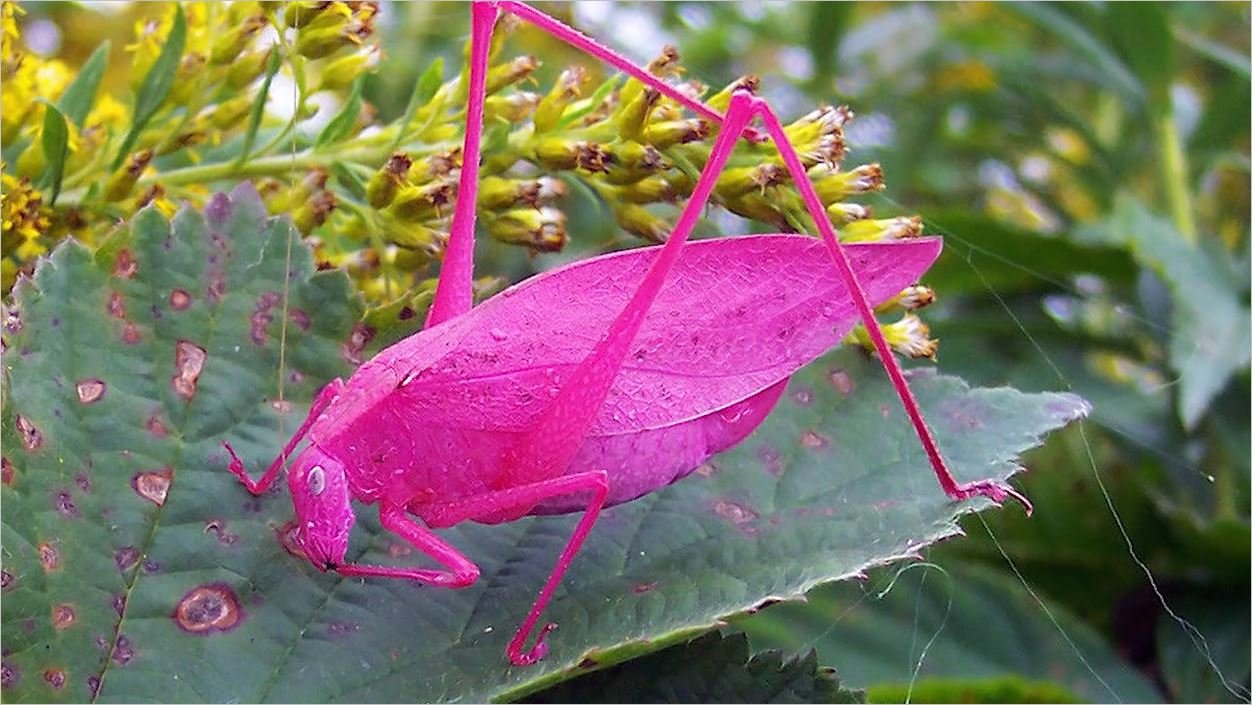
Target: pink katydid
[592, 384]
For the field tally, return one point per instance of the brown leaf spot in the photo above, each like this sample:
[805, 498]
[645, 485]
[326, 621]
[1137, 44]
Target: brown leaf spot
[771, 459]
[813, 439]
[116, 307]
[63, 616]
[90, 390]
[123, 652]
[131, 334]
[261, 316]
[361, 335]
[6, 580]
[119, 603]
[153, 486]
[734, 512]
[289, 538]
[282, 406]
[706, 469]
[803, 396]
[300, 318]
[64, 504]
[32, 438]
[126, 558]
[9, 675]
[188, 364]
[180, 300]
[841, 381]
[6, 472]
[54, 677]
[50, 557]
[643, 588]
[398, 550]
[93, 684]
[156, 427]
[335, 629]
[208, 608]
[125, 266]
[83, 482]
[13, 321]
[217, 528]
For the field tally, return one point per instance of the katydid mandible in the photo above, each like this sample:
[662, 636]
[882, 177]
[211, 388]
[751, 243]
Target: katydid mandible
[592, 384]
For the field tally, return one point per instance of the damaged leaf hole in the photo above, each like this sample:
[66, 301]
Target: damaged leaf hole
[217, 529]
[63, 616]
[188, 364]
[207, 609]
[90, 390]
[153, 486]
[841, 381]
[32, 438]
[180, 300]
[65, 504]
[54, 677]
[49, 557]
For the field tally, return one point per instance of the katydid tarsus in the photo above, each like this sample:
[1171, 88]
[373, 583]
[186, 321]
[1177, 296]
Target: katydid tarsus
[592, 384]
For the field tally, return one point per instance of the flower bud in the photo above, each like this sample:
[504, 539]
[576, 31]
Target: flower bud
[507, 74]
[911, 299]
[122, 181]
[641, 222]
[638, 157]
[425, 202]
[229, 46]
[671, 132]
[542, 230]
[412, 236]
[436, 165]
[311, 214]
[559, 153]
[341, 72]
[901, 228]
[633, 116]
[231, 114]
[381, 189]
[663, 66]
[517, 106]
[569, 86]
[317, 43]
[653, 189]
[746, 179]
[302, 13]
[496, 193]
[185, 81]
[909, 337]
[761, 208]
[837, 185]
[721, 100]
[843, 213]
[247, 68]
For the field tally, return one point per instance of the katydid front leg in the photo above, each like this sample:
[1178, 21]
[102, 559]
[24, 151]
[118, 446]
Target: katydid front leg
[462, 572]
[257, 487]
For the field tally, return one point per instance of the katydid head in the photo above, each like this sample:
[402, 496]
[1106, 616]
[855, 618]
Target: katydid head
[319, 491]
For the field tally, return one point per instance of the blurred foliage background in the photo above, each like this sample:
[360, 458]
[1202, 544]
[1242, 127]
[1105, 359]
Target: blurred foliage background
[1088, 165]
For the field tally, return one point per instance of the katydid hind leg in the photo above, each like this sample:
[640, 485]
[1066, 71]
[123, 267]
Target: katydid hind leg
[994, 490]
[461, 571]
[517, 501]
[257, 487]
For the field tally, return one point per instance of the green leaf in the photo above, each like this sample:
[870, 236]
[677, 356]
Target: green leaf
[985, 626]
[258, 106]
[1141, 31]
[833, 483]
[341, 125]
[427, 85]
[156, 85]
[710, 669]
[1211, 338]
[55, 141]
[1007, 689]
[980, 252]
[75, 103]
[1237, 62]
[348, 179]
[1084, 43]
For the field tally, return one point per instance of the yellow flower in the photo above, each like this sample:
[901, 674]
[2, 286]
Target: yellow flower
[24, 218]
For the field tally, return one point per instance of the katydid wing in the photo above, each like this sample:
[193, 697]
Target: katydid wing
[590, 385]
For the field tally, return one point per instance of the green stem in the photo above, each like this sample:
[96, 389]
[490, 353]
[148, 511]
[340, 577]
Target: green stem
[1174, 174]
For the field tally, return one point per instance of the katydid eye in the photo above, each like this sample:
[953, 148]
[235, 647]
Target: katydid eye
[317, 480]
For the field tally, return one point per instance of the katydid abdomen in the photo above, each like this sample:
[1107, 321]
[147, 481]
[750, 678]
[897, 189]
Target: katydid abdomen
[438, 417]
